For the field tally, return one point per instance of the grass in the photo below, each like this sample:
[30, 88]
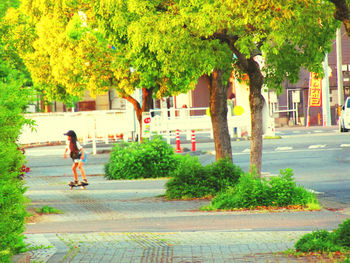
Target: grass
[313, 206]
[338, 256]
[48, 210]
[264, 209]
[38, 247]
[271, 137]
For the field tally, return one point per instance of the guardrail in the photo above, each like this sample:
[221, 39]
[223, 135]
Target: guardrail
[106, 126]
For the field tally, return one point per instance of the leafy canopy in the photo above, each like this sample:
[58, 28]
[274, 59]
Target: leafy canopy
[196, 37]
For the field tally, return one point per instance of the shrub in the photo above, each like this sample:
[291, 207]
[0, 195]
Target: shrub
[224, 173]
[12, 201]
[151, 159]
[252, 191]
[320, 240]
[343, 234]
[324, 241]
[283, 191]
[48, 210]
[248, 193]
[192, 180]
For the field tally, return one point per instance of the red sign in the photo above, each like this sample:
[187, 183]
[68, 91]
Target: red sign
[315, 91]
[147, 120]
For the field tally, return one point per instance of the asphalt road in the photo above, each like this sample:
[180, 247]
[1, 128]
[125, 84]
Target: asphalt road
[320, 159]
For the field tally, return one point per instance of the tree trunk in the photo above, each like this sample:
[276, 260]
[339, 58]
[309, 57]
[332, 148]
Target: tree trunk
[146, 105]
[218, 112]
[256, 102]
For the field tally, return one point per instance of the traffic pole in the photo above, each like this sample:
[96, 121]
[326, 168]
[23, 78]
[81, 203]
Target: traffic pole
[178, 149]
[193, 141]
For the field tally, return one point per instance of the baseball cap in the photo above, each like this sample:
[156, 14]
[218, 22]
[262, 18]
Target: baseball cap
[70, 133]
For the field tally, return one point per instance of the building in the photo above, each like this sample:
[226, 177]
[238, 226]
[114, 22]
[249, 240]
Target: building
[290, 108]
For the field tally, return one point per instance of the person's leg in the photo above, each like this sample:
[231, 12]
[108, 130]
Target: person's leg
[74, 168]
[82, 171]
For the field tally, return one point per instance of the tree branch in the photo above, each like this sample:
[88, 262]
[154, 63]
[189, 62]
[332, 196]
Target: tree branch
[342, 13]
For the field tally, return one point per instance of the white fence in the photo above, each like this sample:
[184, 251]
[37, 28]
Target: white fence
[88, 125]
[95, 126]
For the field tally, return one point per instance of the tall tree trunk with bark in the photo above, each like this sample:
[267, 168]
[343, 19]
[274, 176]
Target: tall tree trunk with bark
[218, 113]
[256, 103]
[146, 105]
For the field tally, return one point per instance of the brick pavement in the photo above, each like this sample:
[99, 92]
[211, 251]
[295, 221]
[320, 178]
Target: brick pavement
[165, 247]
[127, 221]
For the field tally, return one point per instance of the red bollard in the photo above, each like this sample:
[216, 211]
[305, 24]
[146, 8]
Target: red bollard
[193, 141]
[178, 149]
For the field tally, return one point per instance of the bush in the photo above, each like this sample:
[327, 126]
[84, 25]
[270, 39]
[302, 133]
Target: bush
[224, 174]
[48, 210]
[324, 241]
[343, 234]
[12, 201]
[252, 191]
[192, 180]
[320, 240]
[249, 192]
[151, 159]
[283, 191]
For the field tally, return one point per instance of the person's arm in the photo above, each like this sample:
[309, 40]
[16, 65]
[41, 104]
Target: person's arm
[65, 152]
[81, 149]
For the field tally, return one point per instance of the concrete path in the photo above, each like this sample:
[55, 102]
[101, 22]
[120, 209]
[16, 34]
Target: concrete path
[129, 221]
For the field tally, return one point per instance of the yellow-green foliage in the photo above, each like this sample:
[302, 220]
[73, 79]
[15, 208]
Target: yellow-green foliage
[12, 201]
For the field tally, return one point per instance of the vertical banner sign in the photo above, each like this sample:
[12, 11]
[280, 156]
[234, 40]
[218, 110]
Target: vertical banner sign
[315, 91]
[315, 94]
[146, 129]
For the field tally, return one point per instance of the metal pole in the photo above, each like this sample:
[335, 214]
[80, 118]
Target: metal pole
[339, 70]
[94, 150]
[326, 115]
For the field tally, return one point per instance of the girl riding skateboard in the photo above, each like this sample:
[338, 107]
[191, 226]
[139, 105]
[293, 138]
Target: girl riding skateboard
[78, 156]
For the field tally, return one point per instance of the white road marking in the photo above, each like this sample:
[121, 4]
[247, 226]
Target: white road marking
[344, 145]
[317, 146]
[284, 148]
[288, 151]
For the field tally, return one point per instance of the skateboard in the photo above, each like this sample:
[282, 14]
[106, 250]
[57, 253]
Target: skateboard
[81, 184]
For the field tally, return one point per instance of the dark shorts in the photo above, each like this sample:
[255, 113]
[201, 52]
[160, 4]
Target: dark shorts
[79, 160]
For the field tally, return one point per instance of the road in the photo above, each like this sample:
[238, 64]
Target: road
[319, 157]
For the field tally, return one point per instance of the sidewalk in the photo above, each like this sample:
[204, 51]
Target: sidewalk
[129, 221]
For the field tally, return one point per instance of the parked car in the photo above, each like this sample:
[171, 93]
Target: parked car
[344, 119]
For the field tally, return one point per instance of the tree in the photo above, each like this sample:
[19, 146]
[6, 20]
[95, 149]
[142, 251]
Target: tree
[69, 53]
[221, 36]
[342, 13]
